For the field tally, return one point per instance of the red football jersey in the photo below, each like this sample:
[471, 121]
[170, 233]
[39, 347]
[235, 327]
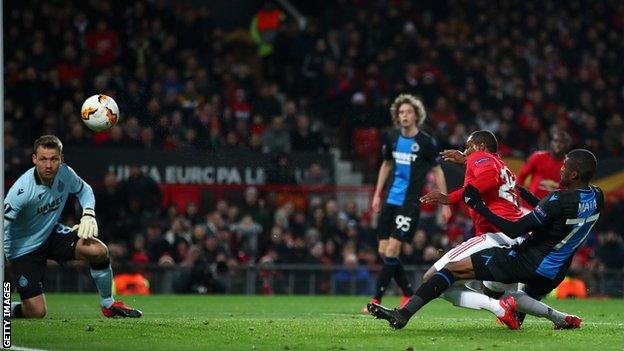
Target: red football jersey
[496, 183]
[544, 171]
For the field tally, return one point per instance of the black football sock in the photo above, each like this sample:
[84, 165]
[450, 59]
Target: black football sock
[401, 278]
[429, 290]
[387, 272]
[16, 310]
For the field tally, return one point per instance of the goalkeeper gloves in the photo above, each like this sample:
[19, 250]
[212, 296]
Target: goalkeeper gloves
[88, 227]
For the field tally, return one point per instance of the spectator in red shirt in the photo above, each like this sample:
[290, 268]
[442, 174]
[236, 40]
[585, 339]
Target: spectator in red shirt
[70, 68]
[543, 166]
[103, 44]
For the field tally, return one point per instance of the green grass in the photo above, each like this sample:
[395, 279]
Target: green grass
[178, 322]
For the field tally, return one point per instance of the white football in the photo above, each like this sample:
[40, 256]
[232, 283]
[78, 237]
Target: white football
[99, 112]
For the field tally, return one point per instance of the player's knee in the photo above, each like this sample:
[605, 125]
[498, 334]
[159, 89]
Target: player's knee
[102, 251]
[430, 272]
[97, 252]
[393, 250]
[457, 269]
[34, 311]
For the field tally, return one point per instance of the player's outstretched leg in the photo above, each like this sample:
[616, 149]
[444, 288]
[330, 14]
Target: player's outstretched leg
[460, 295]
[393, 316]
[429, 290]
[96, 253]
[571, 322]
[527, 304]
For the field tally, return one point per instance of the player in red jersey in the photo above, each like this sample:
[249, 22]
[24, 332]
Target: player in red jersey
[487, 172]
[544, 166]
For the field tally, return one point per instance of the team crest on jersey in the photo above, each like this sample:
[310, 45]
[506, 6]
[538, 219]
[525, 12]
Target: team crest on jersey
[415, 147]
[60, 187]
[22, 281]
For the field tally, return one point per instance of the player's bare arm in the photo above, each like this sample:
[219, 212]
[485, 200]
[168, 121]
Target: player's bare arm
[384, 171]
[454, 156]
[435, 196]
[441, 184]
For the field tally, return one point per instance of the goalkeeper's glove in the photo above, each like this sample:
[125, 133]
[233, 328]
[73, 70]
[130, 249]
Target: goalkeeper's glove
[88, 227]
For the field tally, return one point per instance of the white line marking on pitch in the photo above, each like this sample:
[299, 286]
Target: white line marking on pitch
[19, 348]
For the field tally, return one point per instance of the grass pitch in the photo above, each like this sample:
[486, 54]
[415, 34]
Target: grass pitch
[182, 322]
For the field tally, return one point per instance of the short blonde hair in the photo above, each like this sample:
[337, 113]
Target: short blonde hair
[419, 108]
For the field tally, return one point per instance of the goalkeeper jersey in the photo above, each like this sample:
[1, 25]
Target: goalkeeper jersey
[31, 208]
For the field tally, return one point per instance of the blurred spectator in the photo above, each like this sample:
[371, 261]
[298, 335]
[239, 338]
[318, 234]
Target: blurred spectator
[156, 244]
[276, 139]
[142, 189]
[352, 279]
[247, 232]
[179, 231]
[315, 175]
[281, 171]
[139, 254]
[78, 136]
[304, 139]
[103, 44]
[267, 103]
[111, 204]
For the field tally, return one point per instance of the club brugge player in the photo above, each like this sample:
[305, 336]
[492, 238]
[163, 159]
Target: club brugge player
[559, 224]
[409, 154]
[32, 235]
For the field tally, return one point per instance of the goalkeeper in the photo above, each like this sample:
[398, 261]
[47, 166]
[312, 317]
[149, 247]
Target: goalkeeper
[32, 207]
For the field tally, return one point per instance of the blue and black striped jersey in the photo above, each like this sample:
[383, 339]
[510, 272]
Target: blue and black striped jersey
[413, 158]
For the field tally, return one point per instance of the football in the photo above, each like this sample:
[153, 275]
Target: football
[99, 112]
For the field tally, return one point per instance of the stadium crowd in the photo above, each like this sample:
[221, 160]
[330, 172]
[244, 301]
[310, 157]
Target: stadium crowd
[517, 69]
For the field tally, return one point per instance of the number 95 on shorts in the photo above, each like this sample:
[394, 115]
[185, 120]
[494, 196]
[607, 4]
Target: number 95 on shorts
[399, 222]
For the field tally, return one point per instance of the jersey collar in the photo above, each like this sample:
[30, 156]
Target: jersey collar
[38, 180]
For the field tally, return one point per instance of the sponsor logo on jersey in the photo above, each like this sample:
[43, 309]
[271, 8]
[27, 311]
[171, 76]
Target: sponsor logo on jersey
[51, 206]
[481, 160]
[20, 192]
[404, 158]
